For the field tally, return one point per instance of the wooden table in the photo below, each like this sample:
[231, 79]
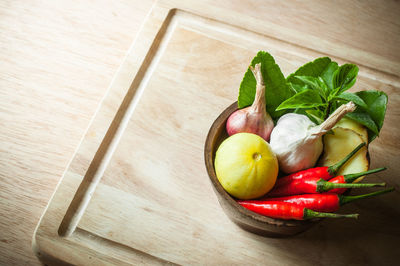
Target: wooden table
[58, 59]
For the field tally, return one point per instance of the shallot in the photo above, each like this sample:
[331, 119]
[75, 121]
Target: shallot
[253, 119]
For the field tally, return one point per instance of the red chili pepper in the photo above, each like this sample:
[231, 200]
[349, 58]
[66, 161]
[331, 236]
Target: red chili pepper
[287, 211]
[312, 185]
[323, 172]
[350, 178]
[323, 202]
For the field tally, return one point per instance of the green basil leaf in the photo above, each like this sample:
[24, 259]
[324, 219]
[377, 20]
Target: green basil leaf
[344, 78]
[305, 99]
[315, 84]
[315, 115]
[373, 114]
[313, 69]
[376, 102]
[366, 120]
[276, 88]
[323, 86]
[348, 96]
[321, 67]
[296, 87]
[309, 113]
[327, 74]
[309, 80]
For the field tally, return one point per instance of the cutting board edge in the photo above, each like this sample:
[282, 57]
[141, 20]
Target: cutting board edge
[36, 242]
[154, 21]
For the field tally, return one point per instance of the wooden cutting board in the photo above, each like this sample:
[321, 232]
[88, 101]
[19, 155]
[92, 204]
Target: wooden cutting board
[137, 191]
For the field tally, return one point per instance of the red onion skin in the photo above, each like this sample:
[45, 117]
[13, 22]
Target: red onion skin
[253, 119]
[250, 121]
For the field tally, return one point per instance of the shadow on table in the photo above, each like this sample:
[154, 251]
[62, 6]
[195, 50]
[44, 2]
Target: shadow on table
[371, 240]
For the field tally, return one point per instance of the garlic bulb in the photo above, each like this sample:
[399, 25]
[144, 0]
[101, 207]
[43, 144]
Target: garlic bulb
[297, 141]
[253, 119]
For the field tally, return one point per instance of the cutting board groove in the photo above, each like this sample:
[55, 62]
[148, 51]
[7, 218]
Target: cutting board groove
[137, 190]
[116, 129]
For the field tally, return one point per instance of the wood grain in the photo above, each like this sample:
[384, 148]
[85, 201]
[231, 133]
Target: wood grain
[138, 183]
[57, 60]
[59, 57]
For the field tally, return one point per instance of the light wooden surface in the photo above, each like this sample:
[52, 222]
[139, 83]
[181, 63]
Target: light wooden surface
[57, 60]
[137, 191]
[45, 112]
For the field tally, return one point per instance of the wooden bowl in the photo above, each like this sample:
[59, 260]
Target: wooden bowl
[248, 220]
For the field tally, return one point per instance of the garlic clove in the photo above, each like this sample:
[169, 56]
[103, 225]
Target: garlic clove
[297, 141]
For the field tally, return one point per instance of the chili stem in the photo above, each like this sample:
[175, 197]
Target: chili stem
[347, 199]
[349, 178]
[323, 186]
[334, 168]
[309, 214]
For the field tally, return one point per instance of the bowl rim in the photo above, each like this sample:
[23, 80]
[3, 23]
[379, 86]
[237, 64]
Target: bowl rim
[209, 155]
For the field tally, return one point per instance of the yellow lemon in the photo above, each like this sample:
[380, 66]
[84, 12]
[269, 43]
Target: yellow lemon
[245, 166]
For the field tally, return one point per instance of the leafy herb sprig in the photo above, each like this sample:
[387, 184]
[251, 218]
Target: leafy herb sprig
[316, 89]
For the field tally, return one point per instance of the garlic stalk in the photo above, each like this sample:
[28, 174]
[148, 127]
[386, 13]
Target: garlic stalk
[297, 141]
[253, 119]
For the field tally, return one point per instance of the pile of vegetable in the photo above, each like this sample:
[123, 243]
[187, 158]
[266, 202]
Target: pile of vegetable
[310, 128]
